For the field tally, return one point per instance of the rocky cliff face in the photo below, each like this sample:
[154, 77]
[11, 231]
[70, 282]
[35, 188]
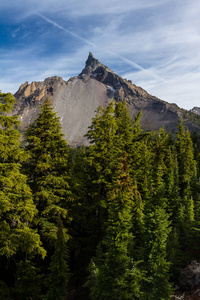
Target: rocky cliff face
[77, 99]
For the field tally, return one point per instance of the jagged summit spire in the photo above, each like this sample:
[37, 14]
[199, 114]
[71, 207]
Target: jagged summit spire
[92, 67]
[92, 61]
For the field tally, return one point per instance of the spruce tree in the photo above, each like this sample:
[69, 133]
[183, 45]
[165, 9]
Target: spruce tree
[102, 136]
[57, 279]
[102, 158]
[188, 212]
[172, 190]
[114, 272]
[159, 169]
[125, 129]
[158, 229]
[157, 226]
[111, 134]
[17, 208]
[47, 169]
[85, 228]
[186, 161]
[28, 281]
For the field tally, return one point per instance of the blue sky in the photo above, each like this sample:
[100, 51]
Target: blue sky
[154, 43]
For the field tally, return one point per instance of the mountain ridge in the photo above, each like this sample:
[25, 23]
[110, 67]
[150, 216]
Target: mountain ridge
[76, 100]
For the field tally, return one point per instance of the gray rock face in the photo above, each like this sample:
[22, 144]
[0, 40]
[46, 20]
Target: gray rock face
[76, 100]
[190, 277]
[196, 110]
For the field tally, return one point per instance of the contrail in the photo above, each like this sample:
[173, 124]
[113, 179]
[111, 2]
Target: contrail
[130, 62]
[135, 65]
[66, 30]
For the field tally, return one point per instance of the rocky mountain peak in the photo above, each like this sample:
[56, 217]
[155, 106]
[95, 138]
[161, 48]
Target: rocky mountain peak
[94, 69]
[76, 100]
[92, 62]
[117, 87]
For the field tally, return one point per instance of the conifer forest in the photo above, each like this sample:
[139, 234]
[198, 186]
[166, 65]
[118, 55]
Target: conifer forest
[115, 220]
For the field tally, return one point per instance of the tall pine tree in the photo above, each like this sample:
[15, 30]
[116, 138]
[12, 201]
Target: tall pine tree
[114, 273]
[47, 169]
[59, 271]
[17, 208]
[157, 266]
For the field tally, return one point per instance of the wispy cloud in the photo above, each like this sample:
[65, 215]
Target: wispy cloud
[78, 8]
[95, 46]
[66, 30]
[154, 43]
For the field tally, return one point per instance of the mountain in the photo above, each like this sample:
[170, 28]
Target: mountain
[77, 99]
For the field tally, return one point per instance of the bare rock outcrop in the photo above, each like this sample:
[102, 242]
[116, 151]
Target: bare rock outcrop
[190, 277]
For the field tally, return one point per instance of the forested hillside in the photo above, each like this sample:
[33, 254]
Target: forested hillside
[116, 220]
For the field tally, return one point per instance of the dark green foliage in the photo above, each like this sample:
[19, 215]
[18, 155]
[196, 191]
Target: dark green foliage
[158, 229]
[126, 131]
[59, 271]
[4, 291]
[164, 173]
[187, 164]
[85, 227]
[28, 282]
[134, 219]
[172, 190]
[17, 209]
[47, 169]
[116, 274]
[103, 153]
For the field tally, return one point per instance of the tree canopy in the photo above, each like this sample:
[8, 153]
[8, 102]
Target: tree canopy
[117, 219]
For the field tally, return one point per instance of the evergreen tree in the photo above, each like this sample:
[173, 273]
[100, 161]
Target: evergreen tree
[187, 164]
[85, 227]
[159, 169]
[17, 209]
[111, 134]
[125, 129]
[158, 229]
[172, 190]
[157, 226]
[102, 136]
[103, 159]
[59, 272]
[28, 281]
[47, 169]
[143, 167]
[114, 273]
[187, 179]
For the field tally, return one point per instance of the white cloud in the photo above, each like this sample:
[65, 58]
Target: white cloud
[78, 8]
[154, 43]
